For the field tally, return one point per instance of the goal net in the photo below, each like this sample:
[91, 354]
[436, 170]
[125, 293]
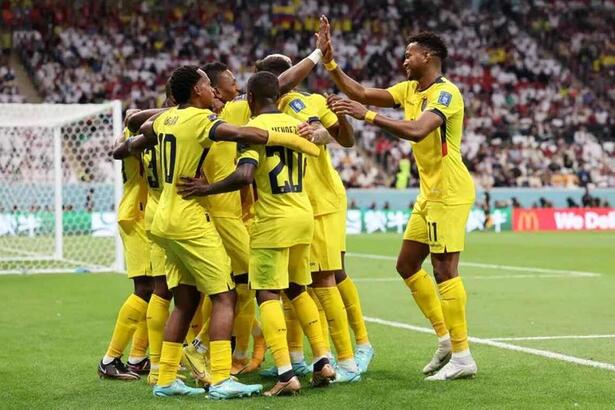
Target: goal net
[59, 188]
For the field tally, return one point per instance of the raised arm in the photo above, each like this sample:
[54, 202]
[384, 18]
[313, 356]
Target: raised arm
[353, 89]
[292, 77]
[193, 187]
[409, 130]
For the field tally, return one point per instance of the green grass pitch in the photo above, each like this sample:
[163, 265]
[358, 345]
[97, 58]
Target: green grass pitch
[55, 328]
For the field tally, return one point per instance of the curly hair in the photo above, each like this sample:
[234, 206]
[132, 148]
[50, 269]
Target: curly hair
[182, 81]
[431, 42]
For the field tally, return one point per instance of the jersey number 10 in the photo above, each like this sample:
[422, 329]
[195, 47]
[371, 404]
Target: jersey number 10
[287, 159]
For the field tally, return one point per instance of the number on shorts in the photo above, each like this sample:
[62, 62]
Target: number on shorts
[432, 231]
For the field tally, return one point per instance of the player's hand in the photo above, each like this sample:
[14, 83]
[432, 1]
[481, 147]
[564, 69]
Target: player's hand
[306, 131]
[189, 187]
[323, 39]
[332, 99]
[349, 107]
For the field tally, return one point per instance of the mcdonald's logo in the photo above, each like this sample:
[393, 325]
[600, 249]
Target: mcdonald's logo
[528, 221]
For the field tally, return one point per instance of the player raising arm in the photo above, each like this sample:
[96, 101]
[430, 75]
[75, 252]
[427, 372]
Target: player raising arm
[433, 122]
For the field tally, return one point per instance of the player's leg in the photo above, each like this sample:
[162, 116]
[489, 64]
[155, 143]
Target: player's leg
[186, 299]
[196, 324]
[447, 224]
[210, 267]
[325, 261]
[138, 361]
[268, 275]
[134, 308]
[352, 303]
[236, 241]
[158, 308]
[196, 353]
[413, 252]
[157, 315]
[307, 312]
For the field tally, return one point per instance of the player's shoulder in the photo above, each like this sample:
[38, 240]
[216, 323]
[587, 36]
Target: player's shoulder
[443, 83]
[295, 100]
[447, 93]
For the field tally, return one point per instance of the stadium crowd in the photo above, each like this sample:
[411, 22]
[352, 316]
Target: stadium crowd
[526, 113]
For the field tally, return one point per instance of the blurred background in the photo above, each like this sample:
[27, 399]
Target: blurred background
[538, 78]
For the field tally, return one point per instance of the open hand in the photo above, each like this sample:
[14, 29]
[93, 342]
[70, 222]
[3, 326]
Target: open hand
[306, 131]
[349, 107]
[332, 99]
[189, 187]
[323, 39]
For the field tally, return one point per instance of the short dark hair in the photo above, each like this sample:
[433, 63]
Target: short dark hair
[182, 81]
[264, 85]
[275, 64]
[213, 71]
[432, 42]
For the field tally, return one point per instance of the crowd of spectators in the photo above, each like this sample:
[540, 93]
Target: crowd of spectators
[529, 120]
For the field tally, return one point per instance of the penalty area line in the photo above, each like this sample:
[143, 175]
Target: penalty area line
[501, 345]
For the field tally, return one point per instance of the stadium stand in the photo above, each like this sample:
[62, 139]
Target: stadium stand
[538, 113]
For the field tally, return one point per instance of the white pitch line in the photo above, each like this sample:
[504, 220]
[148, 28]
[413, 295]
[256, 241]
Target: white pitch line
[507, 346]
[481, 277]
[564, 337]
[492, 266]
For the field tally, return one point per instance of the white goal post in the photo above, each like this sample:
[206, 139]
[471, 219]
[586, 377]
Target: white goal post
[59, 188]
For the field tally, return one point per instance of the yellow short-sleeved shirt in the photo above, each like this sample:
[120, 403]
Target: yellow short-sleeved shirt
[153, 174]
[284, 215]
[236, 112]
[221, 161]
[443, 175]
[184, 137]
[323, 183]
[134, 197]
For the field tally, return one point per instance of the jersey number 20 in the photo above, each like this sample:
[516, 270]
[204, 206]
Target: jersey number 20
[286, 160]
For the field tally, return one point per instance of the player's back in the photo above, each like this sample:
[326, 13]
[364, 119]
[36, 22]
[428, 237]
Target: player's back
[183, 138]
[134, 196]
[283, 210]
[153, 176]
[323, 183]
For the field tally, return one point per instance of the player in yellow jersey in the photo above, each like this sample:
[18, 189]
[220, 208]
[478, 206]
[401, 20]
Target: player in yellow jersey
[131, 322]
[226, 212]
[328, 198]
[280, 234]
[196, 259]
[433, 122]
[158, 307]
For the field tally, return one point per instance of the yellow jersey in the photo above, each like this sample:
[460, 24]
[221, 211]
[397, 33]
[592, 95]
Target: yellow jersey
[442, 173]
[134, 196]
[221, 161]
[184, 137]
[153, 173]
[236, 112]
[284, 216]
[322, 181]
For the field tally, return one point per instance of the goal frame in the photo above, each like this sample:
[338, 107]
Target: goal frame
[55, 126]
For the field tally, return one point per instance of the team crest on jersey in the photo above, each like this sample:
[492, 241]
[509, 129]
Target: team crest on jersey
[445, 98]
[212, 117]
[297, 105]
